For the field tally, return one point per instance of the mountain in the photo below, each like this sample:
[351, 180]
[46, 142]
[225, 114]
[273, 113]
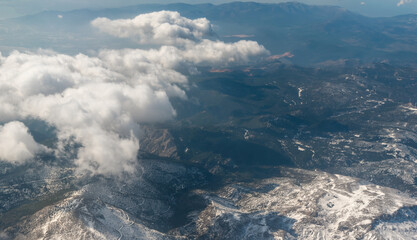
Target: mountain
[257, 152]
[313, 34]
[279, 207]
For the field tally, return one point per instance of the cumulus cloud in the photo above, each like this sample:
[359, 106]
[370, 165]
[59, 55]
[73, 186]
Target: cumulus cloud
[97, 103]
[164, 27]
[402, 2]
[88, 101]
[16, 144]
[205, 53]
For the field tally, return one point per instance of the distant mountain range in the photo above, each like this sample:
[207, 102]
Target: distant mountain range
[313, 34]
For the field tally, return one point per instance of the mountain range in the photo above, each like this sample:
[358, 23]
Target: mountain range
[312, 34]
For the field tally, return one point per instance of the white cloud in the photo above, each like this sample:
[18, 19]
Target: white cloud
[204, 53]
[100, 101]
[88, 100]
[164, 27]
[16, 144]
[402, 2]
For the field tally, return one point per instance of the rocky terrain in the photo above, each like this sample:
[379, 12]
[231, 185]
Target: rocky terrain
[303, 154]
[298, 204]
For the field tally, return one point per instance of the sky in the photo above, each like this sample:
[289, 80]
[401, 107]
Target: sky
[14, 8]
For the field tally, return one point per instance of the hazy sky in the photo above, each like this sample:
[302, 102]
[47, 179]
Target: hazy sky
[13, 8]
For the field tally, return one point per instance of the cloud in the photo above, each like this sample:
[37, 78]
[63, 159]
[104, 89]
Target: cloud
[89, 102]
[17, 146]
[164, 27]
[240, 36]
[275, 57]
[97, 103]
[402, 2]
[204, 53]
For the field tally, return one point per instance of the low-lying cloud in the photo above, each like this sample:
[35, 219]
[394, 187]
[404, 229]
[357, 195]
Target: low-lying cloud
[164, 27]
[16, 144]
[402, 2]
[99, 102]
